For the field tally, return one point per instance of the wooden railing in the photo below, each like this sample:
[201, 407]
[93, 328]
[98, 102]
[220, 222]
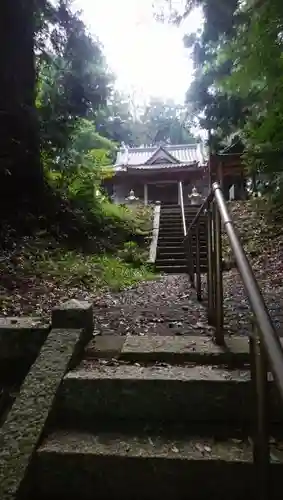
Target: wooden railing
[266, 353]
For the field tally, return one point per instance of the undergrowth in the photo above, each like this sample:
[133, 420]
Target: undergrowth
[259, 230]
[45, 267]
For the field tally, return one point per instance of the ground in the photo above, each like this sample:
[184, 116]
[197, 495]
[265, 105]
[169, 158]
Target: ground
[131, 300]
[168, 306]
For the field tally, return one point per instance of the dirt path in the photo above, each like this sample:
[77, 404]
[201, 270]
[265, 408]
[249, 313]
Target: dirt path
[168, 306]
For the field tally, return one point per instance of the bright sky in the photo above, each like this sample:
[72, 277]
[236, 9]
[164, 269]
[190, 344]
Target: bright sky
[147, 57]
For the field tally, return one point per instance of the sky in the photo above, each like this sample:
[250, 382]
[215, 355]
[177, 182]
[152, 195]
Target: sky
[147, 57]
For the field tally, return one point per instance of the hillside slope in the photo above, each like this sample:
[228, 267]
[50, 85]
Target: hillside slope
[70, 254]
[262, 238]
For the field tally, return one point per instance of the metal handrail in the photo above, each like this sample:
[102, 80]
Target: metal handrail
[267, 332]
[181, 201]
[265, 347]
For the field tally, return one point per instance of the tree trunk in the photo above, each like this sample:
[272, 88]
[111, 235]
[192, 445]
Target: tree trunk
[20, 167]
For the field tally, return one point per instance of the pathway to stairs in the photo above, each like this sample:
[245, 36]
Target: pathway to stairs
[168, 306]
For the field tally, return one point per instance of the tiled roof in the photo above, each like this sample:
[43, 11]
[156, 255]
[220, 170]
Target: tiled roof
[155, 166]
[184, 154]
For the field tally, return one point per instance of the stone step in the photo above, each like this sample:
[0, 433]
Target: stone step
[179, 220]
[151, 393]
[168, 250]
[167, 239]
[175, 261]
[175, 231]
[189, 218]
[177, 208]
[180, 237]
[170, 349]
[171, 269]
[179, 226]
[146, 466]
[165, 254]
[160, 269]
[175, 241]
[171, 233]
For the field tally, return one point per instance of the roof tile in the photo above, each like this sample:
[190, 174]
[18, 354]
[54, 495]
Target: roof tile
[188, 153]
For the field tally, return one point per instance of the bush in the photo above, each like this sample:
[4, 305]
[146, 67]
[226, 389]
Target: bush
[133, 254]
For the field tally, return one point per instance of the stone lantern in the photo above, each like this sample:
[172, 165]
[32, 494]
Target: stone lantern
[195, 197]
[131, 198]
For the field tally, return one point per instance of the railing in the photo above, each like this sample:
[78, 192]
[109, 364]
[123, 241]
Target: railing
[155, 232]
[181, 201]
[266, 353]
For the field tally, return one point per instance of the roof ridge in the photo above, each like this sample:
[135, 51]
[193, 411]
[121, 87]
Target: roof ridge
[164, 146]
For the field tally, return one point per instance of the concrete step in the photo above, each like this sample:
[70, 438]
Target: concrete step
[175, 261]
[178, 226]
[173, 239]
[151, 393]
[146, 465]
[167, 254]
[171, 230]
[169, 236]
[173, 233]
[188, 217]
[177, 241]
[171, 269]
[179, 222]
[176, 269]
[170, 349]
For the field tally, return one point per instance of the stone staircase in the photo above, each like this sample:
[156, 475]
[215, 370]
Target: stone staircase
[154, 417]
[170, 248]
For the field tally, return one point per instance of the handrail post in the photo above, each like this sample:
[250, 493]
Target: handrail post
[181, 202]
[219, 334]
[198, 275]
[259, 382]
[213, 266]
[190, 259]
[209, 268]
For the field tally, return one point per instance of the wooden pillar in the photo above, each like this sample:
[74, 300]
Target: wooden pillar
[145, 194]
[220, 176]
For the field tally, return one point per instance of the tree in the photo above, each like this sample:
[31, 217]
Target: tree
[256, 75]
[74, 81]
[166, 122]
[20, 169]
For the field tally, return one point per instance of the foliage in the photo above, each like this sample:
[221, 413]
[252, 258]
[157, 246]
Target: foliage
[166, 122]
[209, 106]
[73, 79]
[72, 85]
[237, 87]
[257, 225]
[157, 121]
[133, 254]
[44, 274]
[257, 75]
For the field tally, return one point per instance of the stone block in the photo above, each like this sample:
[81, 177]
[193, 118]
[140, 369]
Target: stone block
[23, 427]
[21, 337]
[105, 346]
[74, 314]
